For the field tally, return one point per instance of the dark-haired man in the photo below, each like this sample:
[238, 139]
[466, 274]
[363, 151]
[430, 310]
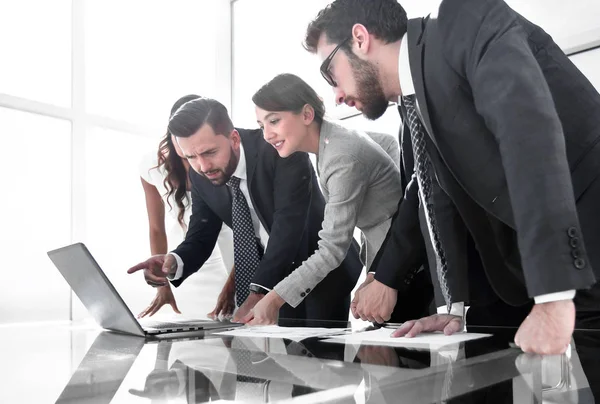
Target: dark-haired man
[273, 205]
[501, 141]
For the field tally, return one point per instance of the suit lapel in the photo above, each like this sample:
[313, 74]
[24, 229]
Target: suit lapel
[218, 199]
[416, 44]
[251, 151]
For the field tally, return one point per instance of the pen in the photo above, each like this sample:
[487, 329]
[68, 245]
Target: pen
[392, 326]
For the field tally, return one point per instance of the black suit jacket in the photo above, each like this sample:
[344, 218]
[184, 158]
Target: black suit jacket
[286, 196]
[514, 132]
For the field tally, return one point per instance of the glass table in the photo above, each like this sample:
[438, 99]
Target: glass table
[79, 363]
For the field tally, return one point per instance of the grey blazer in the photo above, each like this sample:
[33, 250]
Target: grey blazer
[361, 186]
[388, 143]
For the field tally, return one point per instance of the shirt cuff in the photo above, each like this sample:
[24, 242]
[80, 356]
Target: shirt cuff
[457, 309]
[179, 272]
[261, 286]
[554, 297]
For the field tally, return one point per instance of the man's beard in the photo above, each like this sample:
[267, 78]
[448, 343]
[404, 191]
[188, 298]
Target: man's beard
[369, 88]
[228, 171]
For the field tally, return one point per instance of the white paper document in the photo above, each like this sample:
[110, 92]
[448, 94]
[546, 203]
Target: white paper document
[274, 331]
[382, 336]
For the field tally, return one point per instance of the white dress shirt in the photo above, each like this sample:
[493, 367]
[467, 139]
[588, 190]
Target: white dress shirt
[259, 230]
[408, 88]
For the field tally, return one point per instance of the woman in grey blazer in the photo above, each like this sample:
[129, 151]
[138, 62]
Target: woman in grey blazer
[359, 180]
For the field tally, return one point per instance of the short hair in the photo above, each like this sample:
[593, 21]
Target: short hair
[192, 115]
[288, 92]
[385, 19]
[182, 101]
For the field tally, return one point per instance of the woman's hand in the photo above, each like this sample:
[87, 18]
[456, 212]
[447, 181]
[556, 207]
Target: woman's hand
[266, 311]
[164, 295]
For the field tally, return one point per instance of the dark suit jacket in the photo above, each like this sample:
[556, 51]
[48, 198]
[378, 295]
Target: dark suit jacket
[514, 132]
[290, 206]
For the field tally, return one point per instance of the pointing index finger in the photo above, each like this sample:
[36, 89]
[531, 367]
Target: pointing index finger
[135, 268]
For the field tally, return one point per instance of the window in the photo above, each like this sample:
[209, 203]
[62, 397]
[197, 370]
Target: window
[85, 90]
[116, 218]
[35, 212]
[153, 53]
[36, 50]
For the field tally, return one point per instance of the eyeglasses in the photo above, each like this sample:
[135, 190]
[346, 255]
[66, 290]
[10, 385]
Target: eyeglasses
[325, 65]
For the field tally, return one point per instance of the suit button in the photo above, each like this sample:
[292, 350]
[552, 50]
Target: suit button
[308, 290]
[572, 232]
[576, 253]
[579, 263]
[574, 242]
[304, 352]
[302, 294]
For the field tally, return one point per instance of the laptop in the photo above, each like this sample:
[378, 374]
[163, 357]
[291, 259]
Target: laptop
[99, 296]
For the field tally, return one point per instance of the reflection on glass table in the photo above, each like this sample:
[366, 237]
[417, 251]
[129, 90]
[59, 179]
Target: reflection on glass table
[208, 368]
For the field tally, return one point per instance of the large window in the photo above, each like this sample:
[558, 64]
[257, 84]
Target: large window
[35, 214]
[85, 90]
[153, 53]
[35, 44]
[116, 219]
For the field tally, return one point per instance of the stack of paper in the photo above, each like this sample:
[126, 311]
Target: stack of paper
[292, 333]
[382, 336]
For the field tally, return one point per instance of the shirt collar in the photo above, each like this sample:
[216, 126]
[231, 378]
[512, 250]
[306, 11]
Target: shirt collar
[406, 82]
[240, 170]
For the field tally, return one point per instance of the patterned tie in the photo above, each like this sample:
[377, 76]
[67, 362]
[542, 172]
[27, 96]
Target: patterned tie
[423, 168]
[246, 256]
[242, 357]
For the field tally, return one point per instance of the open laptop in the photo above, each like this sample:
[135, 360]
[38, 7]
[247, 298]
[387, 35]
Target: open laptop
[99, 296]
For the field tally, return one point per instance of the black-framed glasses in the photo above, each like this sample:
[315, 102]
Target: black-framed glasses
[325, 65]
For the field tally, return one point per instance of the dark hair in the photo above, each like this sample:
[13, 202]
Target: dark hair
[385, 19]
[176, 179]
[192, 115]
[288, 92]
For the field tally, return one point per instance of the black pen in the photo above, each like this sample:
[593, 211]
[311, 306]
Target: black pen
[392, 326]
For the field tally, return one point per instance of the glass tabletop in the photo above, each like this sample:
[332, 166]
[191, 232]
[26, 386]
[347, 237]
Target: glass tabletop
[105, 367]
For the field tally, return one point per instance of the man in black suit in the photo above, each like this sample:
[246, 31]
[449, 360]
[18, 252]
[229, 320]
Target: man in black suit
[273, 205]
[504, 132]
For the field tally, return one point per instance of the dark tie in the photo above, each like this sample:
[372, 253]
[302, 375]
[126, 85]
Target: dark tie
[424, 170]
[245, 248]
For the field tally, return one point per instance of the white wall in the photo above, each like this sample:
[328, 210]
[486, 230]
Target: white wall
[572, 24]
[267, 41]
[589, 63]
